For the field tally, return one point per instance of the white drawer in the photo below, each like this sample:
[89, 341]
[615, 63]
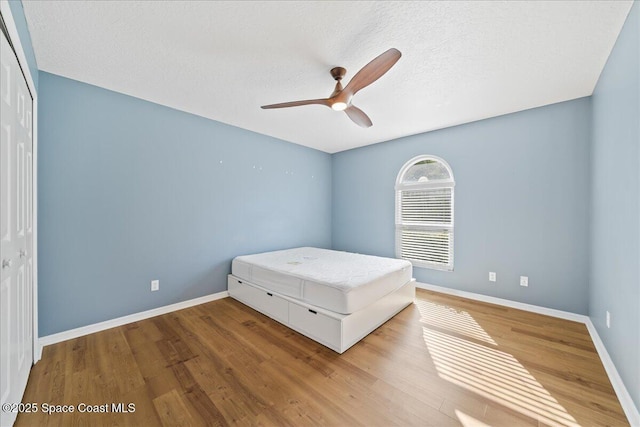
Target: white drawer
[261, 300]
[324, 329]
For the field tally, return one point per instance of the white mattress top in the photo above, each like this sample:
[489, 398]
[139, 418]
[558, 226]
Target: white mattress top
[341, 270]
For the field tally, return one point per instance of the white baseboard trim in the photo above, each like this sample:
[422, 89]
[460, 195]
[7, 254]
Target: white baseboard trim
[628, 406]
[108, 324]
[37, 350]
[505, 302]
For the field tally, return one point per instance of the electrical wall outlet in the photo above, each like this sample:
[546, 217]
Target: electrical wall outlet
[492, 276]
[155, 285]
[524, 280]
[608, 319]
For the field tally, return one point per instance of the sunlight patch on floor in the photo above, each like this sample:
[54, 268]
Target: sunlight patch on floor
[452, 320]
[468, 420]
[483, 369]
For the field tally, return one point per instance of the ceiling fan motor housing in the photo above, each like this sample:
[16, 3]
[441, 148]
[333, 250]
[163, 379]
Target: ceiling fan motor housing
[338, 73]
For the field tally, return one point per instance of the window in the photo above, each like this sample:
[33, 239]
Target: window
[424, 213]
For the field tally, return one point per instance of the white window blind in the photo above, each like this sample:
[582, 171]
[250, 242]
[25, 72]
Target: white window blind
[426, 206]
[424, 213]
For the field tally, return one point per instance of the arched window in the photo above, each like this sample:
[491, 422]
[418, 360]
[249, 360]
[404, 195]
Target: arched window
[424, 213]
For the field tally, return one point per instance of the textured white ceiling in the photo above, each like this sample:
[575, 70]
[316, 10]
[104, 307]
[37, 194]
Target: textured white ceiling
[461, 61]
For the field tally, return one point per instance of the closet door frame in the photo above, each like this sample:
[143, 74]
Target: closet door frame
[22, 60]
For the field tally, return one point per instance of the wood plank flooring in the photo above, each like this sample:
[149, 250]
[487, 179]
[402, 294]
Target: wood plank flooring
[443, 361]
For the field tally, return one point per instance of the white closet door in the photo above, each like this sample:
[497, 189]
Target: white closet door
[16, 232]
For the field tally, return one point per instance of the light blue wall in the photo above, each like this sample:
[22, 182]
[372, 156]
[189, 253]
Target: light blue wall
[615, 207]
[521, 203]
[25, 37]
[131, 191]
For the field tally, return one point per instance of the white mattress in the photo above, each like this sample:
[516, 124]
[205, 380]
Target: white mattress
[342, 282]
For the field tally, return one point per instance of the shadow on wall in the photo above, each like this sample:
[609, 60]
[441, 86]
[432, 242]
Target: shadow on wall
[205, 281]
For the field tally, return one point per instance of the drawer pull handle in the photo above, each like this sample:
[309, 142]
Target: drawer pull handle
[313, 311]
[270, 294]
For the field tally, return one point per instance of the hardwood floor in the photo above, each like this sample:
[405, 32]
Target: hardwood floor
[442, 361]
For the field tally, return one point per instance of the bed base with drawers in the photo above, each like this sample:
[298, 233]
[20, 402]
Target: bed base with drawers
[334, 330]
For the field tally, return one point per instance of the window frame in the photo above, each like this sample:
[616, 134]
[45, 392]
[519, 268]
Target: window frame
[408, 225]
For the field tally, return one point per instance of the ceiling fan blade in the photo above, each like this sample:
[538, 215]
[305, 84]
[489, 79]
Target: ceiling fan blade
[373, 71]
[298, 103]
[358, 116]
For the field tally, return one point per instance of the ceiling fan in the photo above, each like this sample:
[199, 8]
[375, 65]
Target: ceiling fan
[340, 99]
